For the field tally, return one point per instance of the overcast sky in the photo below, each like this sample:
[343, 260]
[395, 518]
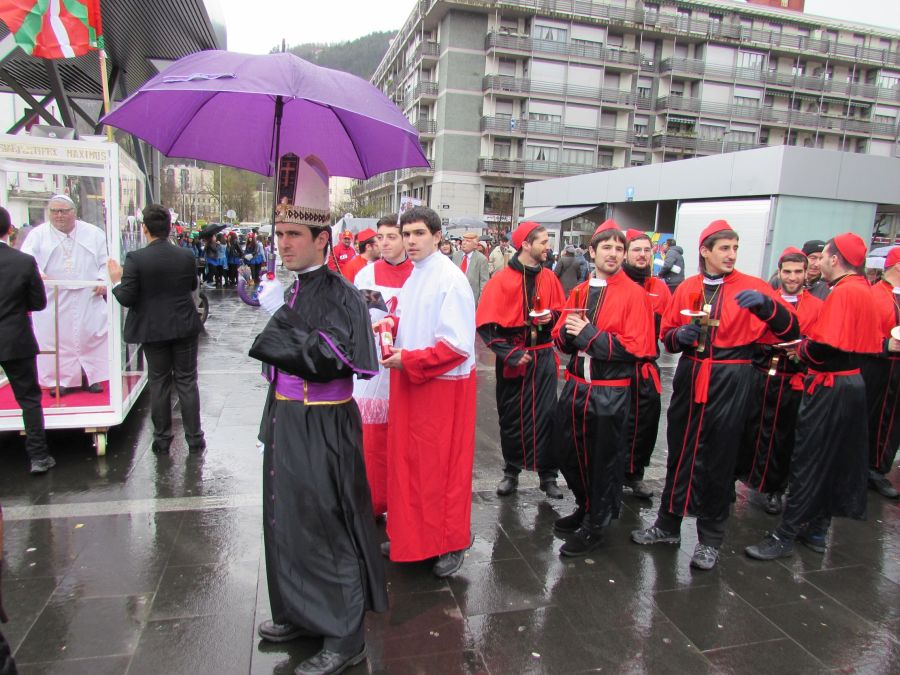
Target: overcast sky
[258, 25]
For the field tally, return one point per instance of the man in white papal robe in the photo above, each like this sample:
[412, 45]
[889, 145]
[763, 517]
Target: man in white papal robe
[66, 248]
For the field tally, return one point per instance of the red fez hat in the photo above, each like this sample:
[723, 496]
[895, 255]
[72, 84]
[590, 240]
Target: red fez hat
[365, 235]
[347, 234]
[715, 227]
[609, 224]
[893, 257]
[790, 250]
[520, 234]
[631, 234]
[852, 247]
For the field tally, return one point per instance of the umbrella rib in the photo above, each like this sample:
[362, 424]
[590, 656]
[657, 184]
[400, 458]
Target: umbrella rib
[352, 142]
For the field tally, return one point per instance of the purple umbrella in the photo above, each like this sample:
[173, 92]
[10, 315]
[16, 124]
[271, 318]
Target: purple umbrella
[246, 111]
[224, 107]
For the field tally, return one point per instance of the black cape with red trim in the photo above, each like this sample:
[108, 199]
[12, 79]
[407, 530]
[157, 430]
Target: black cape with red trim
[526, 394]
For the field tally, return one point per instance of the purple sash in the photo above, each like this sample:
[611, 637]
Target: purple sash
[298, 389]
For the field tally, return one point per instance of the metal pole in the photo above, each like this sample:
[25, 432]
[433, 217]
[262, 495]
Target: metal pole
[220, 193]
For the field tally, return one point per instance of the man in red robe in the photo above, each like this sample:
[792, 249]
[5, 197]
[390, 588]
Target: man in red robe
[383, 279]
[342, 252]
[711, 389]
[643, 413]
[768, 440]
[607, 327]
[828, 469]
[882, 376]
[431, 427]
[518, 307]
[369, 252]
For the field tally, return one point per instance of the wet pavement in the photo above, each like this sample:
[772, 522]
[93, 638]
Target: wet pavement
[144, 564]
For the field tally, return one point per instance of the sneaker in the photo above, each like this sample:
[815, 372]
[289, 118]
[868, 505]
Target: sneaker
[569, 523]
[507, 486]
[770, 548]
[42, 465]
[705, 557]
[639, 489]
[551, 489]
[587, 538]
[880, 483]
[814, 541]
[449, 563]
[772, 504]
[654, 535]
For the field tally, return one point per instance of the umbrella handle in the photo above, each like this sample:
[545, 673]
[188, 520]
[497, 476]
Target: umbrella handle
[244, 294]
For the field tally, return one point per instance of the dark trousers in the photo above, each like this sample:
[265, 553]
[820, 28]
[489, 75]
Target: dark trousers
[254, 270]
[22, 376]
[709, 532]
[7, 665]
[167, 362]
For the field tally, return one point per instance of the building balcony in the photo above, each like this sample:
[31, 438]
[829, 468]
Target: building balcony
[425, 127]
[772, 116]
[385, 180]
[692, 143]
[590, 51]
[507, 84]
[405, 175]
[508, 126]
[697, 69]
[705, 29]
[530, 168]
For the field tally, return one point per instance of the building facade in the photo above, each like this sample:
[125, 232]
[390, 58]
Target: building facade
[504, 92]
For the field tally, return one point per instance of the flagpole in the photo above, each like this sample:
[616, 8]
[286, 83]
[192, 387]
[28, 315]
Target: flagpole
[104, 83]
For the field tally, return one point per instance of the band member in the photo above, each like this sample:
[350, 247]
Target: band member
[828, 469]
[769, 436]
[882, 376]
[607, 327]
[711, 389]
[322, 563]
[514, 318]
[646, 387]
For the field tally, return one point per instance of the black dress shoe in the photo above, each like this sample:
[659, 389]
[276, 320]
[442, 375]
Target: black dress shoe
[587, 538]
[281, 632]
[639, 489]
[507, 486]
[551, 489]
[449, 564]
[386, 549]
[327, 662]
[159, 448]
[198, 448]
[569, 523]
[95, 388]
[42, 465]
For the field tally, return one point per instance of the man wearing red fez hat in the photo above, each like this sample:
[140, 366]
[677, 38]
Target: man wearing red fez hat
[768, 440]
[342, 252]
[882, 376]
[828, 469]
[715, 320]
[642, 425]
[519, 305]
[369, 252]
[382, 280]
[607, 327]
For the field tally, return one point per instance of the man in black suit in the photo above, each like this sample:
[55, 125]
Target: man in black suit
[157, 285]
[21, 292]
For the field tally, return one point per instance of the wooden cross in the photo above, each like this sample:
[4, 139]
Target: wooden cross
[705, 324]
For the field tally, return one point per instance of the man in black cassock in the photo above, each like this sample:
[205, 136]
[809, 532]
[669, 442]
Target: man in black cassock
[322, 561]
[711, 388]
[828, 469]
[514, 318]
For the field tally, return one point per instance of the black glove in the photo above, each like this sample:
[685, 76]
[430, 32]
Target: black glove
[758, 303]
[687, 335]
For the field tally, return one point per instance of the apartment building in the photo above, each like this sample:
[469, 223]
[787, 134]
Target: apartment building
[508, 91]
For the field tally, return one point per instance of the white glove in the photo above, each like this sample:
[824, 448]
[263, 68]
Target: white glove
[271, 295]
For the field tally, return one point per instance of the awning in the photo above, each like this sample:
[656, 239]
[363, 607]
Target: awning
[682, 120]
[561, 213]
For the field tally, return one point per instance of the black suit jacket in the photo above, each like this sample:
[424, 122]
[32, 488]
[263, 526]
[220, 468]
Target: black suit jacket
[21, 292]
[157, 287]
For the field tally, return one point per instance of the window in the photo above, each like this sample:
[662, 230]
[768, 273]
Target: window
[746, 101]
[508, 67]
[790, 137]
[611, 80]
[498, 200]
[503, 108]
[605, 159]
[638, 158]
[576, 156]
[711, 132]
[509, 25]
[888, 81]
[764, 136]
[644, 87]
[743, 137]
[751, 60]
[641, 123]
[861, 145]
[502, 149]
[769, 101]
[799, 68]
[715, 22]
[551, 33]
[542, 153]
[676, 88]
[613, 40]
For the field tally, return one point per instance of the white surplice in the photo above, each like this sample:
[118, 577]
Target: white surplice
[83, 318]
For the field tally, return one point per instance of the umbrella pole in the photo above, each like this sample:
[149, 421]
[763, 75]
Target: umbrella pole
[279, 111]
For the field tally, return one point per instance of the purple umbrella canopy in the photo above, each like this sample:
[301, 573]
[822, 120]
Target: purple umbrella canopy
[220, 107]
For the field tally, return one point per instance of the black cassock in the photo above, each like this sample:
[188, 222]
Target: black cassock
[323, 565]
[882, 377]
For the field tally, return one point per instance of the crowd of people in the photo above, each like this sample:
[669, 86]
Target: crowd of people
[789, 385]
[219, 257]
